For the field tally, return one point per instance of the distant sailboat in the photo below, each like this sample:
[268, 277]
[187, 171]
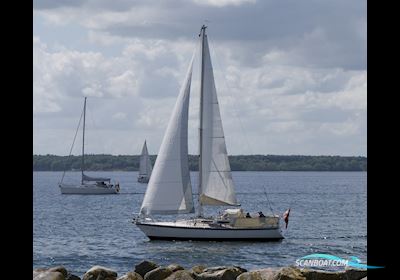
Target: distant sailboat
[145, 167]
[88, 185]
[169, 191]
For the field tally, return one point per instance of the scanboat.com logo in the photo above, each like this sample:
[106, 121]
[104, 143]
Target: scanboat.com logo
[325, 260]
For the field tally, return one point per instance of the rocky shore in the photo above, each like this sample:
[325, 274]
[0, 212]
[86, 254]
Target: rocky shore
[148, 270]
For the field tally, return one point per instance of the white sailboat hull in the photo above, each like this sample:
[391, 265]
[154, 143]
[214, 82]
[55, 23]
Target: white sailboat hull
[170, 191]
[191, 231]
[87, 189]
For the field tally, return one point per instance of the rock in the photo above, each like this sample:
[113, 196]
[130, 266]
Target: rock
[52, 273]
[144, 267]
[261, 274]
[60, 269]
[47, 275]
[220, 273]
[289, 273]
[313, 274]
[180, 275]
[100, 273]
[175, 267]
[159, 273]
[350, 274]
[355, 274]
[197, 269]
[72, 277]
[131, 276]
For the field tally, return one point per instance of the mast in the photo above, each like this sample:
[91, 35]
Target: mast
[83, 138]
[202, 34]
[145, 157]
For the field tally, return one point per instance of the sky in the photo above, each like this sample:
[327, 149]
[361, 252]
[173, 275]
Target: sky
[291, 75]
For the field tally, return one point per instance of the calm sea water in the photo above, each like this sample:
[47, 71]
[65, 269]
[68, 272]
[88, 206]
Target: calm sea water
[328, 215]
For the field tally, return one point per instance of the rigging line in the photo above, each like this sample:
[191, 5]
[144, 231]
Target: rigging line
[72, 146]
[236, 111]
[269, 203]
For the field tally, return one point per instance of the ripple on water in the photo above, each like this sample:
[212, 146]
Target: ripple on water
[81, 231]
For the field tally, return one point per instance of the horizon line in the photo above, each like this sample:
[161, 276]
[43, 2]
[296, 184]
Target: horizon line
[304, 155]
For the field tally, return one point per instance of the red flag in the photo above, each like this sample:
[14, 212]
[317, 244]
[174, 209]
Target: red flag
[286, 217]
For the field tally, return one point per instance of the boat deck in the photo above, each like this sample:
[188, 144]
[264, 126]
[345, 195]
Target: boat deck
[199, 223]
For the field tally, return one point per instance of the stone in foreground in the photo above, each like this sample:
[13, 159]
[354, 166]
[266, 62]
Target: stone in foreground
[144, 267]
[159, 273]
[260, 274]
[180, 275]
[131, 276]
[220, 273]
[348, 274]
[100, 273]
[52, 273]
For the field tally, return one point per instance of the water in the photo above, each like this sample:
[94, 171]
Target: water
[328, 215]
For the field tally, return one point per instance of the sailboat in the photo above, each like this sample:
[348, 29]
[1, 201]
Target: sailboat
[88, 185]
[169, 191]
[145, 167]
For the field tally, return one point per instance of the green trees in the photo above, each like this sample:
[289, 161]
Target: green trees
[238, 163]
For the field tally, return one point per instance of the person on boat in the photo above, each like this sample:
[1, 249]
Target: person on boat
[260, 214]
[248, 215]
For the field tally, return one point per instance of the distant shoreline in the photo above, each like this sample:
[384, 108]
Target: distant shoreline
[238, 163]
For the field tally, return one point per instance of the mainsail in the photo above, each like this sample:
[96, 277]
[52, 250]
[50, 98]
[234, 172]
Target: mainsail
[169, 190]
[216, 179]
[145, 167]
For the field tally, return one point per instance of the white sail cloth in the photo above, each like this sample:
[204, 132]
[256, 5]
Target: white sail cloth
[216, 179]
[145, 167]
[169, 190]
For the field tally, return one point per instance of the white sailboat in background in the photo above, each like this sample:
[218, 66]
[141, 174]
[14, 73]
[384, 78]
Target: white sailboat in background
[145, 167]
[169, 191]
[88, 185]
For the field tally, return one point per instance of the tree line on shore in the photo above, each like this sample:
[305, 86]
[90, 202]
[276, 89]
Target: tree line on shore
[105, 162]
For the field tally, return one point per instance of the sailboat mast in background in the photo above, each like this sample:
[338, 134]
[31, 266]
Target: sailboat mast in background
[83, 139]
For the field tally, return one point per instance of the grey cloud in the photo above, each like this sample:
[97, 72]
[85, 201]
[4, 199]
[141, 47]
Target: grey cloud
[324, 115]
[313, 33]
[53, 4]
[166, 86]
[303, 101]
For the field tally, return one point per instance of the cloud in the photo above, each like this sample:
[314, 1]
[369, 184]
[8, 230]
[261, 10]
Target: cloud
[291, 76]
[324, 34]
[123, 84]
[222, 3]
[50, 4]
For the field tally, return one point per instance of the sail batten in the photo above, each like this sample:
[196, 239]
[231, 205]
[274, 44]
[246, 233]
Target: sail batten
[169, 190]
